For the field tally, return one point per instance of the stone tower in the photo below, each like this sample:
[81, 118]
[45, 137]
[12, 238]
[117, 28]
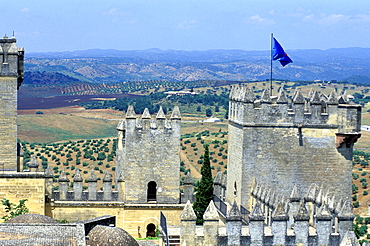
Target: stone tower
[11, 77]
[148, 157]
[281, 143]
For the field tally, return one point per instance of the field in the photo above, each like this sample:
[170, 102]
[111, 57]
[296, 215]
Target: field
[70, 131]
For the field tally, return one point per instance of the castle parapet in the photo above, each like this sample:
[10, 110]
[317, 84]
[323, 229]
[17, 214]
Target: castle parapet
[314, 111]
[257, 232]
[92, 194]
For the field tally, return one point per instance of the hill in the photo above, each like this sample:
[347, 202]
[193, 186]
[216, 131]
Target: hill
[114, 66]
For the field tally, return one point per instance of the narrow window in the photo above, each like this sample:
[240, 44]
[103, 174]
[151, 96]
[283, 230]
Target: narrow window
[152, 191]
[150, 230]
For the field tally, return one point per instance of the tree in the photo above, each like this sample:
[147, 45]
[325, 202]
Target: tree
[205, 188]
[208, 112]
[13, 210]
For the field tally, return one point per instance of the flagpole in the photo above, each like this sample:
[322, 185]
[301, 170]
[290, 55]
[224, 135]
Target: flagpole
[272, 36]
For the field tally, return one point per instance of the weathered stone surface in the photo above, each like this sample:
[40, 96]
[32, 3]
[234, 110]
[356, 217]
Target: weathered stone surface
[150, 158]
[211, 212]
[234, 213]
[188, 212]
[282, 145]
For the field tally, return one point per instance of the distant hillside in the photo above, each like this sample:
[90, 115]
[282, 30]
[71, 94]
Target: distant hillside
[115, 66]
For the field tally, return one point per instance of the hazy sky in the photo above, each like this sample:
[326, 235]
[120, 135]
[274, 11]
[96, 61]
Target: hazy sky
[66, 25]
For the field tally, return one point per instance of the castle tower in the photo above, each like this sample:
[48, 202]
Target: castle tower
[282, 144]
[11, 77]
[148, 156]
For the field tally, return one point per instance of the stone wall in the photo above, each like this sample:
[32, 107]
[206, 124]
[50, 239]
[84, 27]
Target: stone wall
[18, 186]
[281, 145]
[149, 151]
[11, 76]
[128, 217]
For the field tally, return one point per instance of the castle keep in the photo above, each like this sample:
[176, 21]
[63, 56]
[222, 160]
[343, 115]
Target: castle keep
[280, 145]
[148, 155]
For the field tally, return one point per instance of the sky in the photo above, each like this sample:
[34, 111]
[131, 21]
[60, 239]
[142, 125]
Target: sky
[68, 25]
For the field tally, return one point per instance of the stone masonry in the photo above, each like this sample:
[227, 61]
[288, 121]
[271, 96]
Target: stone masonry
[11, 77]
[148, 157]
[280, 145]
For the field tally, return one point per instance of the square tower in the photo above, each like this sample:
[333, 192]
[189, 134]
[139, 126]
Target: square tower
[11, 77]
[148, 157]
[280, 145]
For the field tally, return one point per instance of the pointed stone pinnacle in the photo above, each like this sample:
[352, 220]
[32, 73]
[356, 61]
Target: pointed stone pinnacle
[48, 172]
[279, 213]
[302, 213]
[323, 98]
[33, 163]
[311, 193]
[107, 177]
[266, 96]
[161, 114]
[298, 99]
[319, 196]
[333, 98]
[347, 211]
[282, 97]
[121, 125]
[224, 180]
[310, 93]
[130, 114]
[257, 213]
[234, 213]
[315, 99]
[92, 177]
[176, 113]
[63, 177]
[342, 100]
[188, 179]
[249, 96]
[331, 203]
[188, 212]
[294, 194]
[218, 178]
[146, 114]
[211, 212]
[78, 176]
[121, 177]
[323, 213]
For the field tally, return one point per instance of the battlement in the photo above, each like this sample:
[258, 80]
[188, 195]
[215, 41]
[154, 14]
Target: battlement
[280, 231]
[77, 194]
[146, 122]
[314, 111]
[12, 59]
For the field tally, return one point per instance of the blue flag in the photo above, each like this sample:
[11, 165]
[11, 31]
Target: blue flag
[279, 54]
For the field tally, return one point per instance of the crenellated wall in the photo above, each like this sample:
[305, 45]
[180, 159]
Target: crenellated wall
[285, 227]
[148, 157]
[282, 142]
